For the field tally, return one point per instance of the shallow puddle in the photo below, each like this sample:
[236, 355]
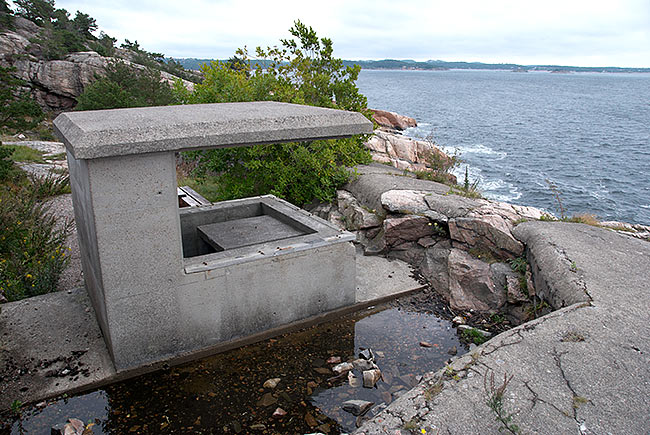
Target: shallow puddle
[225, 394]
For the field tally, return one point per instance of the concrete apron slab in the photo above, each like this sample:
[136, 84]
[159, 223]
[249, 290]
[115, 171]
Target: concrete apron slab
[583, 369]
[52, 344]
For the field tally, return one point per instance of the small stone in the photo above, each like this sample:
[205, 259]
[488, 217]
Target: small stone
[258, 426]
[342, 368]
[279, 413]
[334, 360]
[379, 353]
[386, 397]
[236, 426]
[367, 355]
[77, 425]
[357, 407]
[458, 320]
[325, 428]
[267, 400]
[353, 380]
[271, 383]
[370, 377]
[322, 370]
[312, 384]
[425, 344]
[362, 364]
[452, 350]
[318, 362]
[310, 420]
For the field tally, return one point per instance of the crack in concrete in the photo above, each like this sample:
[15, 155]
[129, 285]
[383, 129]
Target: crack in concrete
[504, 344]
[580, 280]
[536, 399]
[558, 362]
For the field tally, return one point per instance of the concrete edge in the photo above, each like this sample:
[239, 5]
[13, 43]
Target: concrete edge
[119, 376]
[561, 283]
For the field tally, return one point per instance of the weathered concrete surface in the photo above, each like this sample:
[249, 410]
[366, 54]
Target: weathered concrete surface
[47, 334]
[583, 369]
[378, 278]
[50, 345]
[107, 133]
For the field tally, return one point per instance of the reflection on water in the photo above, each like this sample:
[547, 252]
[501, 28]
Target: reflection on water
[225, 394]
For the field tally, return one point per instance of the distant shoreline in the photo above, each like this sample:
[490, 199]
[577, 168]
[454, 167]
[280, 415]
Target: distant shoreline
[439, 65]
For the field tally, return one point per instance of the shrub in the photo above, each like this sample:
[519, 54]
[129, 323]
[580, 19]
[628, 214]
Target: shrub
[302, 71]
[49, 185]
[18, 110]
[32, 251]
[6, 162]
[126, 86]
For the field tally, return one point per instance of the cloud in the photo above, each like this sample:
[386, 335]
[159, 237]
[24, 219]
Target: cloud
[552, 31]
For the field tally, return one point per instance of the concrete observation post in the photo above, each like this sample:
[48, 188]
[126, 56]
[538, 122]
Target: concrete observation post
[165, 281]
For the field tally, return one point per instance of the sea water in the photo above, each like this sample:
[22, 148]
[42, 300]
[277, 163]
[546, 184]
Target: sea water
[587, 133]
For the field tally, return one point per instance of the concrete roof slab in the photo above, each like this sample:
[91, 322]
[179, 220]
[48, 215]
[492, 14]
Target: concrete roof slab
[116, 132]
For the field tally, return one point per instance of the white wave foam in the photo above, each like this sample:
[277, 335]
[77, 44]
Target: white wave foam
[482, 149]
[493, 184]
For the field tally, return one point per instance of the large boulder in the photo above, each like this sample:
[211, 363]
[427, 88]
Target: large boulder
[398, 230]
[472, 285]
[489, 233]
[435, 266]
[392, 120]
[369, 182]
[404, 152]
[356, 216]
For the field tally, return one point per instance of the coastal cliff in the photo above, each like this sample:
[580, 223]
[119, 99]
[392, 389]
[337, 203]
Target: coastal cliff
[56, 84]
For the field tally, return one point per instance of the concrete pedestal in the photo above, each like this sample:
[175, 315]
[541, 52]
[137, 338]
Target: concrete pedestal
[156, 296]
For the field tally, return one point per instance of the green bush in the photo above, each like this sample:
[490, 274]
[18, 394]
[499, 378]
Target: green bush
[18, 110]
[6, 162]
[32, 250]
[126, 86]
[301, 71]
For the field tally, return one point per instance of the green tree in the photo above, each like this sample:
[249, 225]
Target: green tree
[104, 45]
[6, 19]
[38, 11]
[303, 71]
[84, 24]
[126, 86]
[18, 110]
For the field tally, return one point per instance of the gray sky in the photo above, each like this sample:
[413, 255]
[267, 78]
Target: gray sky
[565, 32]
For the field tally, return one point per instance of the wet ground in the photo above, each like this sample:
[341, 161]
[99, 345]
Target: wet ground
[225, 393]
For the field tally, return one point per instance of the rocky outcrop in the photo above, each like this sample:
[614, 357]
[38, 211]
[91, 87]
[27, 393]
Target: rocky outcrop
[55, 84]
[404, 152]
[392, 120]
[461, 246]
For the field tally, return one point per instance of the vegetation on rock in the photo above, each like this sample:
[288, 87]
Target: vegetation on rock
[18, 111]
[123, 86]
[303, 71]
[32, 242]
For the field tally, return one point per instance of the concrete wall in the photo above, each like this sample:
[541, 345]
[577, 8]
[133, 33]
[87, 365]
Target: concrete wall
[152, 303]
[148, 307]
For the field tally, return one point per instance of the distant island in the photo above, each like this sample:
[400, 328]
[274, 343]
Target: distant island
[395, 64]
